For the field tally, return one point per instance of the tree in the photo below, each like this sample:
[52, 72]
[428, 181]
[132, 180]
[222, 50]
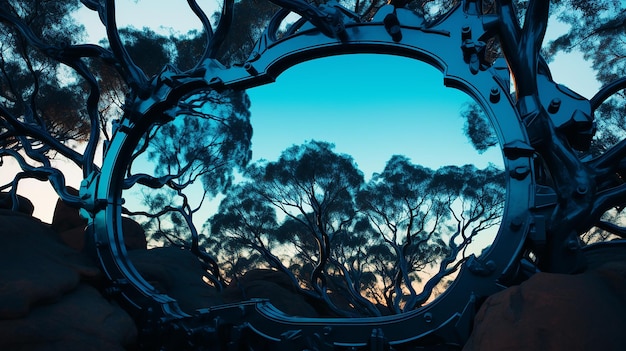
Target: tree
[244, 226]
[207, 143]
[30, 91]
[315, 189]
[426, 218]
[406, 214]
[597, 31]
[349, 244]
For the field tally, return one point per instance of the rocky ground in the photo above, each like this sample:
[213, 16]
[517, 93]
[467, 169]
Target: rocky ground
[50, 298]
[49, 287]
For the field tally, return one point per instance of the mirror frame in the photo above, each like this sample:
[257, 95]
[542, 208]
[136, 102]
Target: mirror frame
[445, 46]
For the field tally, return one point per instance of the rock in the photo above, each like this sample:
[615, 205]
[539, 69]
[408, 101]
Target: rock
[45, 303]
[25, 206]
[67, 217]
[70, 226]
[80, 320]
[35, 265]
[177, 273]
[134, 235]
[274, 286]
[556, 312]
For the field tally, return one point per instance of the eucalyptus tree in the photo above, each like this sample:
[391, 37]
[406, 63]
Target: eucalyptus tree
[406, 214]
[39, 111]
[474, 202]
[315, 189]
[44, 107]
[427, 218]
[244, 227]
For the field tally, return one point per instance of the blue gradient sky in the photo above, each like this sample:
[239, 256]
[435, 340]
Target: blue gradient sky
[370, 106]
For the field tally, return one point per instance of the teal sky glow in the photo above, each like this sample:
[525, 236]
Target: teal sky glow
[370, 106]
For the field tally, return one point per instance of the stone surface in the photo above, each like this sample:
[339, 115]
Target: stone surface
[70, 227]
[557, 312]
[177, 273]
[45, 301]
[79, 320]
[35, 265]
[134, 235]
[24, 205]
[274, 286]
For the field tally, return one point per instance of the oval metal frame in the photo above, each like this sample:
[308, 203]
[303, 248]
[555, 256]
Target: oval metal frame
[448, 318]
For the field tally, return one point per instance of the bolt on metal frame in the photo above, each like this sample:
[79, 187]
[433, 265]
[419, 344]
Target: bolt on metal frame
[540, 130]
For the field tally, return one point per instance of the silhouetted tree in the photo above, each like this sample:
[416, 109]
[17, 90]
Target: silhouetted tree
[30, 88]
[351, 245]
[207, 143]
[244, 226]
[475, 201]
[408, 218]
[406, 213]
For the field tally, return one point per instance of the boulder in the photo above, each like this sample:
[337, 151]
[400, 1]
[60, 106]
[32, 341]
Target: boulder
[35, 265]
[274, 286]
[79, 320]
[134, 235]
[585, 311]
[177, 273]
[45, 301]
[24, 205]
[70, 227]
[66, 217]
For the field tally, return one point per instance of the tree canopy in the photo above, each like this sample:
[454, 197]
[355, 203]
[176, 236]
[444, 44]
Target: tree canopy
[349, 242]
[360, 247]
[30, 87]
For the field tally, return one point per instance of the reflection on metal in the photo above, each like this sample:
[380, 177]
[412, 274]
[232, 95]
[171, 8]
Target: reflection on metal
[552, 195]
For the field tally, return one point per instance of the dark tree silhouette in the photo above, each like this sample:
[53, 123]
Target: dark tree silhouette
[406, 214]
[38, 111]
[475, 202]
[29, 84]
[478, 128]
[315, 188]
[244, 226]
[207, 142]
[597, 30]
[349, 244]
[411, 217]
[426, 218]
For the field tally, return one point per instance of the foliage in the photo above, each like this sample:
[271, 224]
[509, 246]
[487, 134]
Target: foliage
[33, 86]
[351, 244]
[598, 31]
[478, 128]
[207, 143]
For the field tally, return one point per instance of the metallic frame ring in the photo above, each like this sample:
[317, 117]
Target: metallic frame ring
[440, 45]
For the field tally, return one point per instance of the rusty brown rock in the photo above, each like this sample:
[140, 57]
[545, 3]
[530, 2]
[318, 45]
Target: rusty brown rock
[556, 312]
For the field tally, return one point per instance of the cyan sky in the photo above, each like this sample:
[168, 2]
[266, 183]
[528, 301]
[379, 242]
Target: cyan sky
[370, 106]
[383, 119]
